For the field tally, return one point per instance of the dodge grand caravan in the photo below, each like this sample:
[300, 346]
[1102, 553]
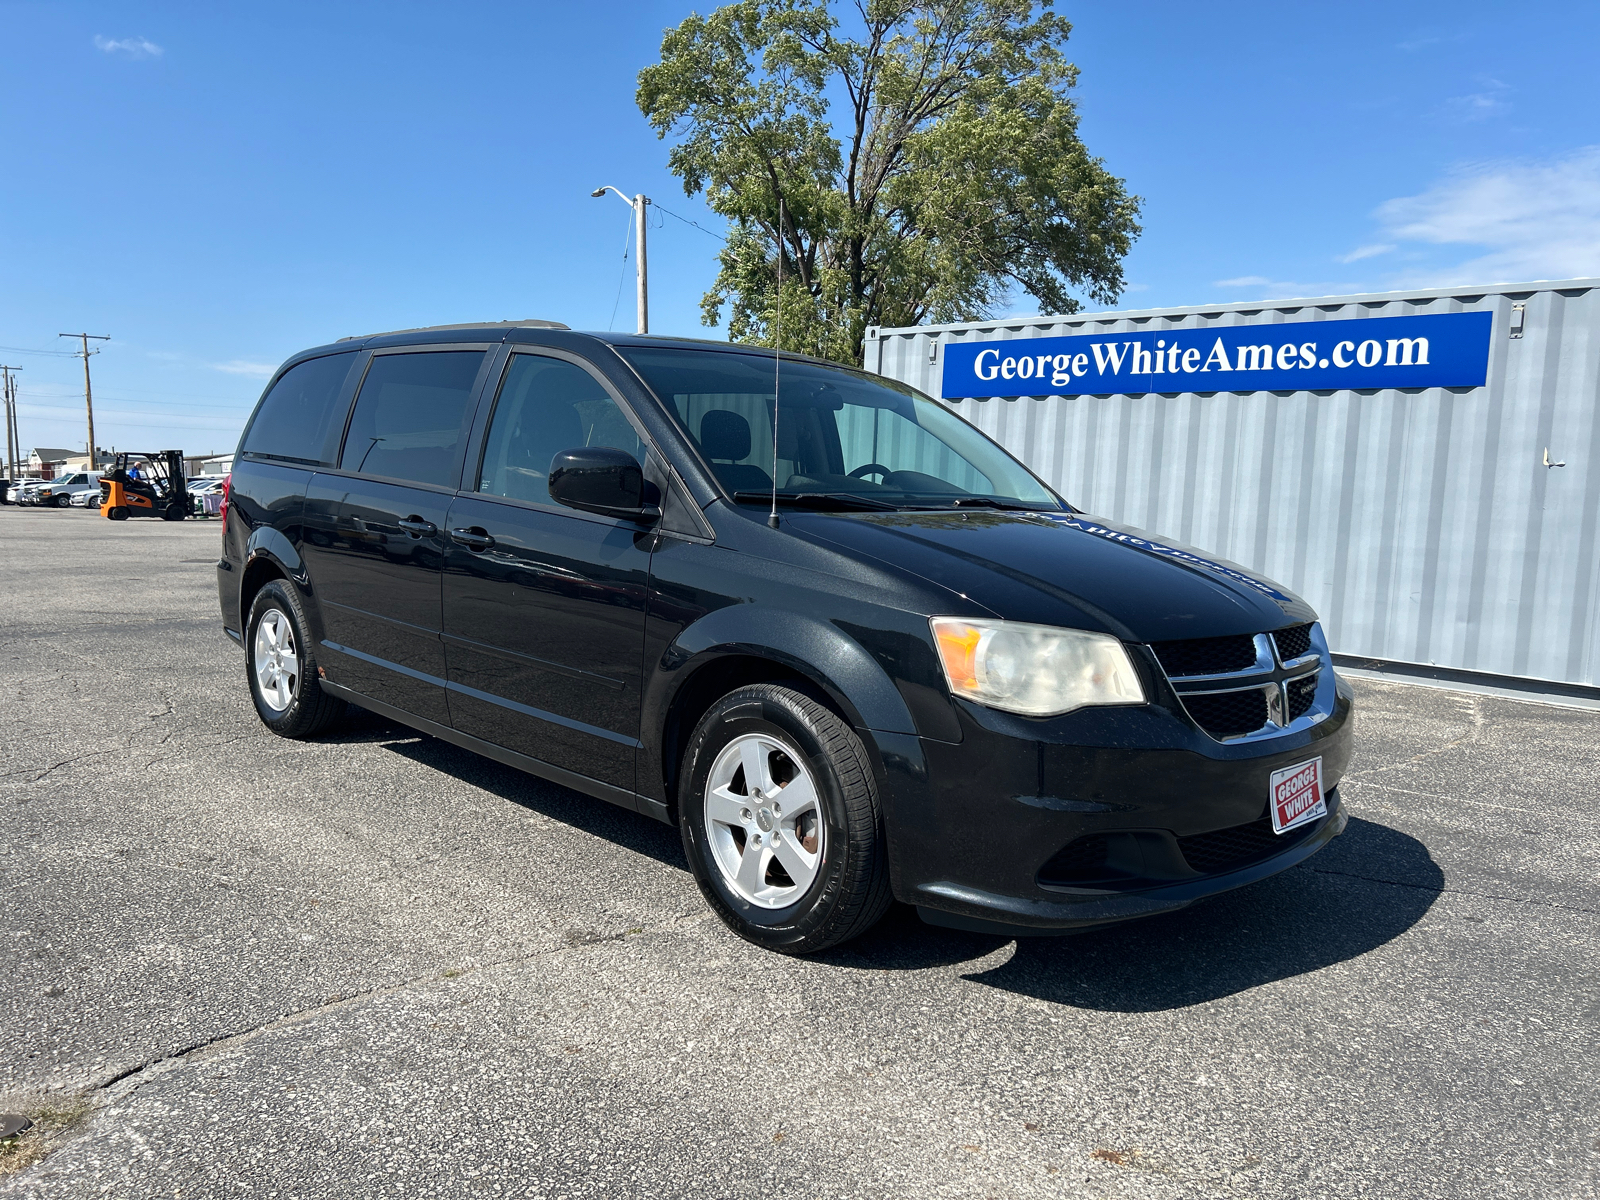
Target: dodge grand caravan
[909, 670]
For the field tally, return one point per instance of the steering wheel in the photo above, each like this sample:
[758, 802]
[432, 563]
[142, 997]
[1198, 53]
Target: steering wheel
[870, 469]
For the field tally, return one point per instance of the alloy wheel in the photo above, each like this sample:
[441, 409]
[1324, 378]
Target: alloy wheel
[277, 665]
[764, 820]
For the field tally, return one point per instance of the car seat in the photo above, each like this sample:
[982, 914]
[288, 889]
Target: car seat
[726, 435]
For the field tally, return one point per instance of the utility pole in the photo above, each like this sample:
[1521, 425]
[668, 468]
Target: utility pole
[13, 445]
[88, 393]
[639, 203]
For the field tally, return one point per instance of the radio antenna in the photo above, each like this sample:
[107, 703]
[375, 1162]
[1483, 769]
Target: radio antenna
[777, 360]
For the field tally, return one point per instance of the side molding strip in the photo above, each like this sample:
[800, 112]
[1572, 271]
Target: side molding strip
[488, 697]
[621, 797]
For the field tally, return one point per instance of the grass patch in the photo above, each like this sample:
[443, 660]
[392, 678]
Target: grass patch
[51, 1125]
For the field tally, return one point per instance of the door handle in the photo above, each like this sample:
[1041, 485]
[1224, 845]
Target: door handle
[417, 527]
[473, 539]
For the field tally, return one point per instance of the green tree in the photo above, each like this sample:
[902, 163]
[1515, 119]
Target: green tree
[958, 177]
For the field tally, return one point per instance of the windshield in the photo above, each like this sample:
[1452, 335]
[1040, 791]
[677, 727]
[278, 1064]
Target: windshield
[840, 432]
[67, 478]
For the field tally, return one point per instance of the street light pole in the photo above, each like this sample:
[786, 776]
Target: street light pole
[88, 392]
[639, 203]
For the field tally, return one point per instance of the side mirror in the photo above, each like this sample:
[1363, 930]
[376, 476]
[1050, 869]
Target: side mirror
[601, 479]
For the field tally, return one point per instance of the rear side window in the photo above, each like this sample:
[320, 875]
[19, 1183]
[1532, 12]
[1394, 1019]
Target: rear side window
[408, 417]
[296, 419]
[547, 405]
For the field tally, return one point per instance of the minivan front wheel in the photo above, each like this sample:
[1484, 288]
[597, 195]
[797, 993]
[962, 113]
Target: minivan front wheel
[280, 663]
[779, 813]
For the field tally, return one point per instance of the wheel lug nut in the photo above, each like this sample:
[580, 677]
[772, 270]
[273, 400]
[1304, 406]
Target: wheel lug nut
[755, 839]
[744, 814]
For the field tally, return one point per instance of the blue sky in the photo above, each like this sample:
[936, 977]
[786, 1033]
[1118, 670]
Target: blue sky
[217, 187]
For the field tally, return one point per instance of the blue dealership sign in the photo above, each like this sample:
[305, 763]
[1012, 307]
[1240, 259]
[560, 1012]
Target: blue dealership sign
[1441, 350]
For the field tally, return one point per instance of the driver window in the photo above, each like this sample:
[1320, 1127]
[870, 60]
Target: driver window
[547, 405]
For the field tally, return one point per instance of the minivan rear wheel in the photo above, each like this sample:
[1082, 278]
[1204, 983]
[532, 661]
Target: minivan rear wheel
[281, 664]
[780, 818]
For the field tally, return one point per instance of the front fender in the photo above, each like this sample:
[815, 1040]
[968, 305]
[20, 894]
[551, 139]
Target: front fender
[834, 661]
[816, 649]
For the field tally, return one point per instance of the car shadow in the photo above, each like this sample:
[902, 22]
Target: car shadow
[1367, 888]
[620, 826]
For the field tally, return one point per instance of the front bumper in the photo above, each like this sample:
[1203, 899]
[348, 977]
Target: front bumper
[974, 826]
[957, 907]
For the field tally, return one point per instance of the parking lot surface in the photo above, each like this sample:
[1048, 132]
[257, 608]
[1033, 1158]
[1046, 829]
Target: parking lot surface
[376, 965]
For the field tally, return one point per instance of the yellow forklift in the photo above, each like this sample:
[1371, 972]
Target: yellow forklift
[145, 485]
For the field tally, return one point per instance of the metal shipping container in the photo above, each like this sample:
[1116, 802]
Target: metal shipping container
[1442, 527]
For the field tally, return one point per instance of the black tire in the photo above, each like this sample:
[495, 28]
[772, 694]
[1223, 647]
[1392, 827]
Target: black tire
[118, 514]
[63, 501]
[310, 710]
[851, 889]
[174, 512]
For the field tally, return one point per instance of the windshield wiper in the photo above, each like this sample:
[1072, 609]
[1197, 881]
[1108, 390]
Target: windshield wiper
[992, 502]
[838, 501]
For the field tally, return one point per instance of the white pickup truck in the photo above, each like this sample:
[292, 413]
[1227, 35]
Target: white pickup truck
[58, 492]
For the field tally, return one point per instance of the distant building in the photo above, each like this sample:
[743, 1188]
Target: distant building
[45, 462]
[214, 464]
[82, 462]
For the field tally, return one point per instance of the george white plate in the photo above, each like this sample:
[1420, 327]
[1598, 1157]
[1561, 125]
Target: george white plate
[1294, 795]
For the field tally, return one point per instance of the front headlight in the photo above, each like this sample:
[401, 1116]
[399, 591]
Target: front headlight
[1036, 670]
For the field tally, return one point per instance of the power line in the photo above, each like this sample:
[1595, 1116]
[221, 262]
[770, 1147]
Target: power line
[119, 414]
[200, 423]
[51, 353]
[623, 277]
[238, 406]
[686, 221]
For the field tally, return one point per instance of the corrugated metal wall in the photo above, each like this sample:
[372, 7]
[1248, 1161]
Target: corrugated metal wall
[1423, 524]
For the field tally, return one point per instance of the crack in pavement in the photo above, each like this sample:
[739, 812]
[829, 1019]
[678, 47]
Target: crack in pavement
[138, 1075]
[67, 762]
[1390, 787]
[1471, 702]
[1428, 887]
[123, 1084]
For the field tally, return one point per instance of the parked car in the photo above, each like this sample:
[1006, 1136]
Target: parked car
[909, 669]
[58, 492]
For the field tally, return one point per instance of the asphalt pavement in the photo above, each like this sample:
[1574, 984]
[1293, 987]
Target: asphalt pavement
[377, 965]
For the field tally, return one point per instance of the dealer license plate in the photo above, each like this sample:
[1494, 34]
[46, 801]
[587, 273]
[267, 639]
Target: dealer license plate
[1294, 795]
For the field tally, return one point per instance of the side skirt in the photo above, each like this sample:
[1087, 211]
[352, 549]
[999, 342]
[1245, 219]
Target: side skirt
[621, 797]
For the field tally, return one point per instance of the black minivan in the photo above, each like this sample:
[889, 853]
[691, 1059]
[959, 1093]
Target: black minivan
[852, 648]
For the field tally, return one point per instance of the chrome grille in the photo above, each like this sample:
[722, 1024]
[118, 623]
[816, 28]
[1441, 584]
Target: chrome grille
[1247, 685]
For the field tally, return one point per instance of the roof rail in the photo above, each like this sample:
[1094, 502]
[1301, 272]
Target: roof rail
[531, 323]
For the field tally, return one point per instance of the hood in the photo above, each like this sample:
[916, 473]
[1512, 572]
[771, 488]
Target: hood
[1069, 569]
